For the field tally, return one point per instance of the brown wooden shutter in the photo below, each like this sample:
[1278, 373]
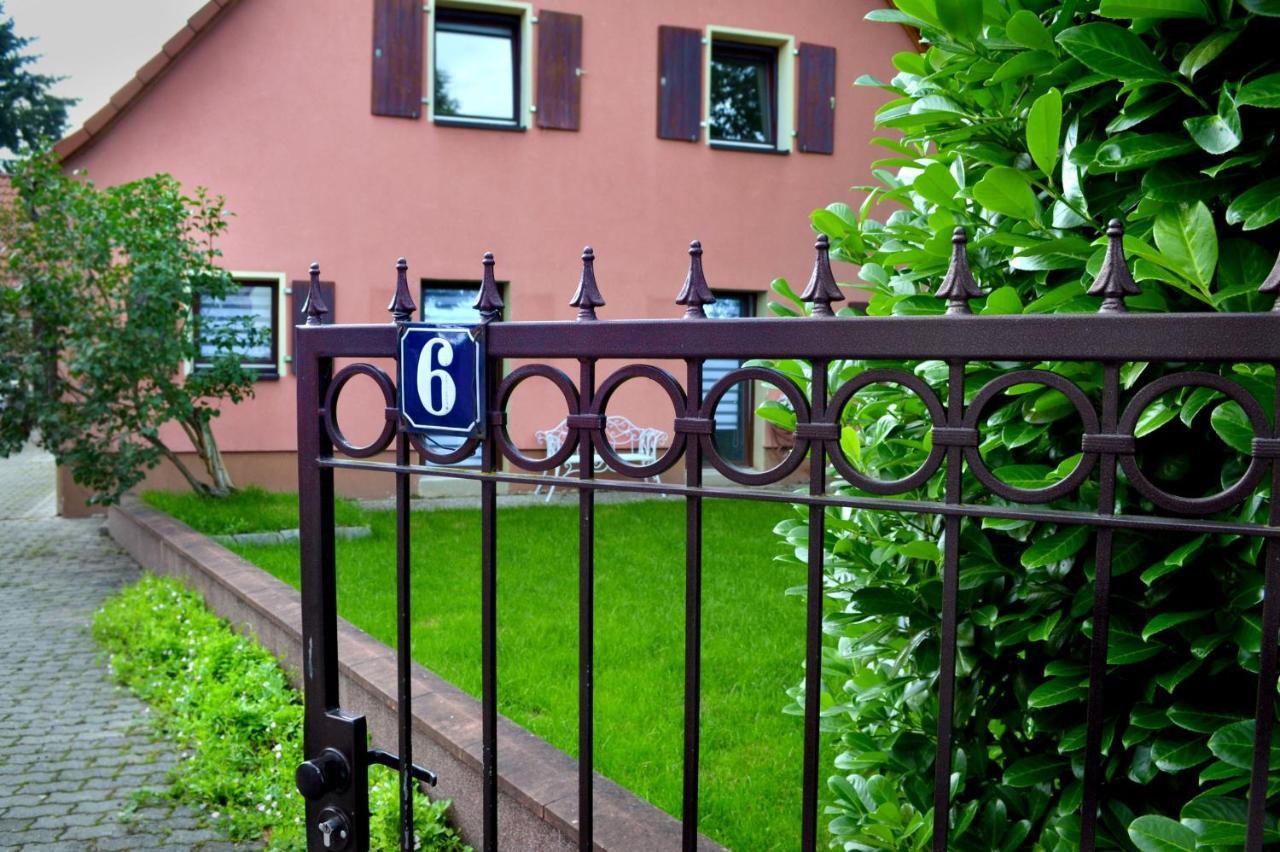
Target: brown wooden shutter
[559, 58]
[679, 83]
[298, 300]
[397, 57]
[816, 122]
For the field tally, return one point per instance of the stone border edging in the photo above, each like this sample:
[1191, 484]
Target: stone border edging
[537, 783]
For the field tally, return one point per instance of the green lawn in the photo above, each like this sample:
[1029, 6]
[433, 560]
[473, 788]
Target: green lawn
[753, 635]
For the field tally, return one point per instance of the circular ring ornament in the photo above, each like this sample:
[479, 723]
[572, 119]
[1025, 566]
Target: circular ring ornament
[799, 404]
[436, 457]
[937, 416]
[503, 396]
[388, 388]
[1083, 407]
[599, 405]
[1194, 505]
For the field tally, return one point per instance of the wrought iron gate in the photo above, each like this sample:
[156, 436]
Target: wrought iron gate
[333, 779]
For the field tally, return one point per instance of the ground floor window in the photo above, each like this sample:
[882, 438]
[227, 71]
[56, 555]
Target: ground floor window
[245, 321]
[734, 415]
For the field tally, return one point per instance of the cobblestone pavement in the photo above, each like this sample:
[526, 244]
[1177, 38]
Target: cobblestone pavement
[75, 748]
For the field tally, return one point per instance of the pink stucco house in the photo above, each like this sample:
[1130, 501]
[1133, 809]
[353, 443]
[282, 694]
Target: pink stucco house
[355, 131]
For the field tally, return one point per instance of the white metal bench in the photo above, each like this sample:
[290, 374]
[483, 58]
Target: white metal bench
[633, 445]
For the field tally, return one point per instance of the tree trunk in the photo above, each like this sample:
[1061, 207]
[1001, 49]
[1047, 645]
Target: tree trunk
[196, 485]
[207, 448]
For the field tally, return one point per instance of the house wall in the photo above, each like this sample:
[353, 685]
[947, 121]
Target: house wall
[271, 108]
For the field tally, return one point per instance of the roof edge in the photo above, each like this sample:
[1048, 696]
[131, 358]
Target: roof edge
[101, 122]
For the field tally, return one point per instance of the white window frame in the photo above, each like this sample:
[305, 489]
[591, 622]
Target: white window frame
[786, 83]
[281, 330]
[502, 7]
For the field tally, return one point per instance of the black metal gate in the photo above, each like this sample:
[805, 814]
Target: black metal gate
[333, 779]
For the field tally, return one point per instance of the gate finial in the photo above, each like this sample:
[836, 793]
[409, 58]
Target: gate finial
[587, 297]
[314, 307]
[958, 286]
[1272, 284]
[489, 303]
[1114, 280]
[695, 293]
[822, 289]
[402, 306]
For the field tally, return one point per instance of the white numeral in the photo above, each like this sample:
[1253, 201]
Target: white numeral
[437, 351]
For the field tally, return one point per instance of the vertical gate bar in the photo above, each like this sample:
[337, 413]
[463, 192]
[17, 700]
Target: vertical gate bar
[315, 520]
[1101, 614]
[404, 625]
[692, 611]
[586, 613]
[947, 629]
[813, 614]
[1264, 711]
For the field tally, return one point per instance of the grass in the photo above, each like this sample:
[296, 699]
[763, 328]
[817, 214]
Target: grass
[753, 636]
[224, 700]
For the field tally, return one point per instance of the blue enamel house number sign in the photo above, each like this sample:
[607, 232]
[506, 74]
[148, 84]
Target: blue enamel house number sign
[441, 379]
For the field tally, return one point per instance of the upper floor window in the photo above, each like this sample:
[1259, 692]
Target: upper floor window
[477, 70]
[743, 105]
[246, 322]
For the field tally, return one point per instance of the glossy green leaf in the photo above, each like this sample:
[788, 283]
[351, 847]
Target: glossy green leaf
[1030, 771]
[937, 185]
[1223, 822]
[1261, 92]
[1257, 206]
[1233, 745]
[1175, 183]
[1152, 418]
[1024, 64]
[1109, 49]
[1189, 718]
[1232, 426]
[1055, 692]
[1218, 133]
[1044, 127]
[1135, 150]
[962, 18]
[1271, 8]
[1025, 28]
[1205, 51]
[1167, 620]
[1153, 9]
[1006, 191]
[1003, 300]
[1186, 236]
[1172, 755]
[1153, 833]
[1055, 548]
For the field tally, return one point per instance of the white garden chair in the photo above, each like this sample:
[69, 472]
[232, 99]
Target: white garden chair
[633, 445]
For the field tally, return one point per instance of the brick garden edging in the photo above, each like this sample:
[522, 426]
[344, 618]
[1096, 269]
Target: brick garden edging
[538, 798]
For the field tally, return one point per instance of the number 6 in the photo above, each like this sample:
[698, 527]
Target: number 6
[437, 350]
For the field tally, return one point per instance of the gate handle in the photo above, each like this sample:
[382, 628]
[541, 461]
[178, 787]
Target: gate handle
[385, 758]
[328, 771]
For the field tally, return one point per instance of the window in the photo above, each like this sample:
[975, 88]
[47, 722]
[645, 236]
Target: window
[246, 321]
[478, 68]
[744, 94]
[734, 414]
[748, 98]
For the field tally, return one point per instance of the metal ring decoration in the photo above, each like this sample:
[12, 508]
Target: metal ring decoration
[1077, 397]
[388, 388]
[799, 404]
[502, 397]
[937, 415]
[436, 457]
[606, 390]
[1194, 505]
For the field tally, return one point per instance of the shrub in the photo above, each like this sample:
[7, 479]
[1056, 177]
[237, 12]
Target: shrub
[1031, 124]
[224, 699]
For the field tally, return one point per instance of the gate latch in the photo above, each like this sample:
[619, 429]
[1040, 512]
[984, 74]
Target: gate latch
[419, 773]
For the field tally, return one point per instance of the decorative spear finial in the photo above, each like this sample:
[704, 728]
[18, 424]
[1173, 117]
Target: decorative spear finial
[489, 302]
[822, 289]
[958, 286]
[1272, 284]
[1114, 280]
[402, 306]
[695, 293]
[587, 297]
[314, 307]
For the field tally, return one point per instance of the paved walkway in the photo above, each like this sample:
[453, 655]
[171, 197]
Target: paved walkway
[74, 746]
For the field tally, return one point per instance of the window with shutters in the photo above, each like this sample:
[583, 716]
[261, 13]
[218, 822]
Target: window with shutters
[749, 80]
[479, 65]
[248, 322]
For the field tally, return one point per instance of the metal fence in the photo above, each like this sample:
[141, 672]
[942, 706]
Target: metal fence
[333, 778]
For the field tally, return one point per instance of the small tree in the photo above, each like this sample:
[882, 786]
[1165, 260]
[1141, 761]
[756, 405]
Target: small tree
[28, 113]
[97, 323]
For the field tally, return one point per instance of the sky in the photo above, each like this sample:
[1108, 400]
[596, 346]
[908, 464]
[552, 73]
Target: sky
[97, 45]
